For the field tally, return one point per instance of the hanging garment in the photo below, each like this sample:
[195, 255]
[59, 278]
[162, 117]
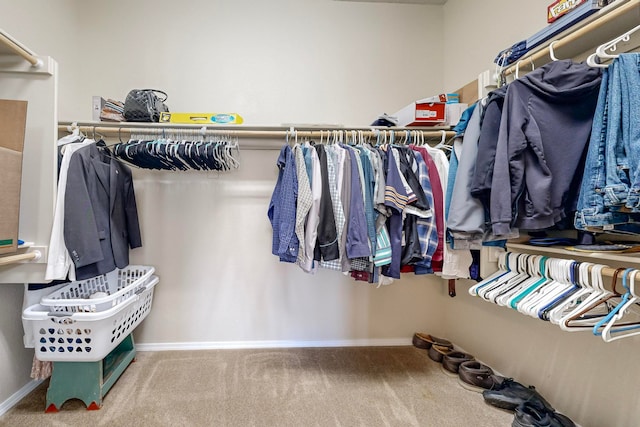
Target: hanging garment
[426, 226]
[396, 198]
[304, 201]
[327, 247]
[357, 243]
[335, 174]
[544, 131]
[59, 263]
[313, 217]
[101, 215]
[609, 192]
[282, 209]
[487, 144]
[438, 203]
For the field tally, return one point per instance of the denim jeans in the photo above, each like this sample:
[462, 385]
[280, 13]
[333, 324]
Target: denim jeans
[630, 81]
[613, 156]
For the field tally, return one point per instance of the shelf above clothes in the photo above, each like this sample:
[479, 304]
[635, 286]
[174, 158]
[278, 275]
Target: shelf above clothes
[630, 259]
[577, 41]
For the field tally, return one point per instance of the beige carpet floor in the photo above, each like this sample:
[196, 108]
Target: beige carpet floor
[356, 386]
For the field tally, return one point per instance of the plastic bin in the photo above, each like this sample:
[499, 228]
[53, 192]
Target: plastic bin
[119, 284]
[87, 337]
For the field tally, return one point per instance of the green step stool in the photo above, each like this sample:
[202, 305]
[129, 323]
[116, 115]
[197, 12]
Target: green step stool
[88, 381]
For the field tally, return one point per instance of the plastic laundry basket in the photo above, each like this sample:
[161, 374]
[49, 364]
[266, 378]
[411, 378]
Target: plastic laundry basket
[87, 337]
[119, 285]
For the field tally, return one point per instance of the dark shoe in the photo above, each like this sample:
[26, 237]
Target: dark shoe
[425, 341]
[452, 360]
[533, 414]
[475, 376]
[511, 394]
[437, 352]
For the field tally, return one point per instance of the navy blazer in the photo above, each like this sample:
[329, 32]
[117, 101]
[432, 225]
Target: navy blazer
[100, 213]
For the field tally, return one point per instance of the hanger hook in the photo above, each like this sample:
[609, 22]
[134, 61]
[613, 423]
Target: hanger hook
[552, 53]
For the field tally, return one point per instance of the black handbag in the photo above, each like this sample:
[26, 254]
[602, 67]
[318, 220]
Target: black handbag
[144, 105]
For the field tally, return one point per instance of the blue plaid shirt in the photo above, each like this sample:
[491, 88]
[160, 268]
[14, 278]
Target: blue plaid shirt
[427, 231]
[282, 209]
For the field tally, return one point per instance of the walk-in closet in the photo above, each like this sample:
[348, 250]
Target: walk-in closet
[273, 247]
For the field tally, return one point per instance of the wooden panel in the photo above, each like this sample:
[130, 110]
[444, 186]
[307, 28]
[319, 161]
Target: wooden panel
[468, 93]
[13, 117]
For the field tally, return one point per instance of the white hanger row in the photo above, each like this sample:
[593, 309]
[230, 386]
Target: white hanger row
[566, 293]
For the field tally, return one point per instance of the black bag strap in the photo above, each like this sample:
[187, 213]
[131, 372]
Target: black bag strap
[157, 91]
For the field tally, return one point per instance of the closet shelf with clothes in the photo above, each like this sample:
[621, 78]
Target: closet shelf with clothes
[605, 24]
[520, 169]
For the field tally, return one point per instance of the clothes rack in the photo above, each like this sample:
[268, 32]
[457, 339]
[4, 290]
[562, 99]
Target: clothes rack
[9, 45]
[124, 131]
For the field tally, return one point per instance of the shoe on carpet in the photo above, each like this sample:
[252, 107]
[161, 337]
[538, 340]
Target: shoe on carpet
[476, 376]
[425, 341]
[437, 352]
[451, 361]
[511, 393]
[533, 414]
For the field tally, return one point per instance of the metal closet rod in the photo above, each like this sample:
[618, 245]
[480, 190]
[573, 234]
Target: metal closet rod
[19, 50]
[612, 15]
[122, 131]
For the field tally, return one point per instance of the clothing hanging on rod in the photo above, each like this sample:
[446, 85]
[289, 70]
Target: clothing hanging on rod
[609, 199]
[522, 156]
[100, 212]
[370, 209]
[189, 152]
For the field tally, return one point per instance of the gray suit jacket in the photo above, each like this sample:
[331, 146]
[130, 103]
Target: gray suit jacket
[101, 216]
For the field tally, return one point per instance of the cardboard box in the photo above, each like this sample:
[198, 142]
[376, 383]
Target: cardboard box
[13, 119]
[422, 113]
[560, 7]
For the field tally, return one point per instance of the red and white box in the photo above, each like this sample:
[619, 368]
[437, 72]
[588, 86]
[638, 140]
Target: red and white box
[420, 113]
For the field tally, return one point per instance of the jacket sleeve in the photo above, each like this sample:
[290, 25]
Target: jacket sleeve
[507, 184]
[131, 212]
[466, 219]
[80, 229]
[357, 236]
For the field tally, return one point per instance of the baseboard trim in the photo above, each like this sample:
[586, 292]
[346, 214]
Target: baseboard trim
[18, 395]
[220, 345]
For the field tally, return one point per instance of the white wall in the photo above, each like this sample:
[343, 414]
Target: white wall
[281, 61]
[475, 31]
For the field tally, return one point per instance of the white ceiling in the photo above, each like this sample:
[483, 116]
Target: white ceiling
[402, 1]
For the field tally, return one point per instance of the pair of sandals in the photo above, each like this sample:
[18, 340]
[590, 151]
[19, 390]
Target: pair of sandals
[441, 350]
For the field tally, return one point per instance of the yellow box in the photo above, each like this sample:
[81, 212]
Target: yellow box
[202, 118]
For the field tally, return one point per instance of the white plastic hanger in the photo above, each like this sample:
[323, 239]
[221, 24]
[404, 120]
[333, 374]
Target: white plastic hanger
[614, 330]
[592, 309]
[517, 73]
[503, 269]
[535, 267]
[592, 61]
[507, 286]
[612, 45]
[590, 280]
[552, 54]
[560, 276]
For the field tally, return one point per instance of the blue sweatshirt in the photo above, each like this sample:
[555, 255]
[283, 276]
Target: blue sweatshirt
[544, 130]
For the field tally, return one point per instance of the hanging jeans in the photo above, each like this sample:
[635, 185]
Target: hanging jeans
[610, 192]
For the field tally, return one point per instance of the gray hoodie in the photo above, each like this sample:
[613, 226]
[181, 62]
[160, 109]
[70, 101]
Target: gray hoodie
[544, 130]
